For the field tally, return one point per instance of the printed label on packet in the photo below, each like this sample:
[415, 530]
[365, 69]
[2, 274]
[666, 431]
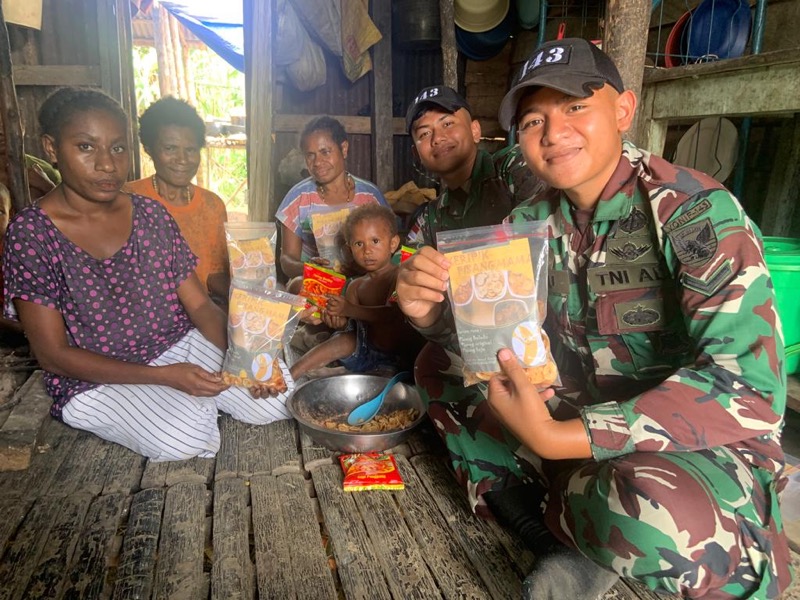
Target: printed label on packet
[370, 471]
[319, 283]
[494, 299]
[256, 326]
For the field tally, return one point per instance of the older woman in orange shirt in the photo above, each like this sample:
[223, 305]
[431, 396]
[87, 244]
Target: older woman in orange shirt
[173, 134]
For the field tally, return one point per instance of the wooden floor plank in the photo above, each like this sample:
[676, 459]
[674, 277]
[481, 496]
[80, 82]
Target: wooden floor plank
[179, 570]
[395, 547]
[793, 593]
[290, 559]
[314, 454]
[21, 557]
[137, 561]
[484, 550]
[194, 470]
[255, 453]
[60, 534]
[4, 413]
[423, 440]
[228, 454]
[155, 475]
[55, 446]
[88, 573]
[283, 446]
[85, 468]
[124, 470]
[274, 576]
[360, 574]
[20, 429]
[12, 512]
[446, 559]
[232, 574]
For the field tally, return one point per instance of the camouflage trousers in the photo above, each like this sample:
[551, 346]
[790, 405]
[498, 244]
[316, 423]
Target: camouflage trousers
[701, 524]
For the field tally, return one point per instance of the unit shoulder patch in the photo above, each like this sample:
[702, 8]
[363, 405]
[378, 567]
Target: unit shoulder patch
[702, 207]
[694, 244]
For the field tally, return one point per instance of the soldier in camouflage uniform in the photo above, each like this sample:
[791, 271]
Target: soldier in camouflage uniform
[663, 323]
[478, 188]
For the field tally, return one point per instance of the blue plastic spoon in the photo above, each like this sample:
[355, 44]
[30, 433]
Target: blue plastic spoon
[365, 412]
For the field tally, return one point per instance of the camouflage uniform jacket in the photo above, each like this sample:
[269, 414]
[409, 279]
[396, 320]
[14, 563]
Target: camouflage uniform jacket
[497, 184]
[668, 317]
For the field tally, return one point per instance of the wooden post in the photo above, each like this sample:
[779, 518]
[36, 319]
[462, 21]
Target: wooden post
[382, 129]
[258, 58]
[449, 49]
[625, 41]
[12, 124]
[122, 58]
[164, 50]
[176, 39]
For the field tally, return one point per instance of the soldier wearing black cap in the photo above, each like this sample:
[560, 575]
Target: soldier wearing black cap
[660, 457]
[478, 189]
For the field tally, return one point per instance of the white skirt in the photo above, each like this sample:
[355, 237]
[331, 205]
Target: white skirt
[163, 423]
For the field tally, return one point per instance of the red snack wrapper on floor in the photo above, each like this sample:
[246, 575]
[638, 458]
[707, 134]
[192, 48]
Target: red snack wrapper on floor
[318, 283]
[370, 471]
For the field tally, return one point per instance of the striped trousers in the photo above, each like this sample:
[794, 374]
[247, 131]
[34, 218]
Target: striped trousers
[163, 423]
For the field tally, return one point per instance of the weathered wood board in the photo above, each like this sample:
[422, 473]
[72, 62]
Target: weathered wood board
[22, 425]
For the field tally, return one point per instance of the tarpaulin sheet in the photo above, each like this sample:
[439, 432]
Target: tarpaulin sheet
[218, 24]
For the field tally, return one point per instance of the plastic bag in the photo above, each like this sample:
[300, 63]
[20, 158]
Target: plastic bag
[370, 471]
[290, 37]
[318, 284]
[327, 223]
[259, 324]
[308, 71]
[497, 291]
[251, 254]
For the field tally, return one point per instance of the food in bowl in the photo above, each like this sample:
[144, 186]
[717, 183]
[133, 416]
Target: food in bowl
[394, 421]
[333, 398]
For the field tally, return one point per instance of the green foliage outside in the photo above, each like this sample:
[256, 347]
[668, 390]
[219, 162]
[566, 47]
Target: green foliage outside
[219, 93]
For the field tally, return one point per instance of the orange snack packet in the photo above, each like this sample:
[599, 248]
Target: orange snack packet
[318, 283]
[370, 471]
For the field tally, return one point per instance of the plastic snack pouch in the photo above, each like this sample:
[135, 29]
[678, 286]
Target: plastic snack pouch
[406, 253]
[251, 254]
[327, 223]
[370, 471]
[259, 324]
[497, 292]
[318, 283]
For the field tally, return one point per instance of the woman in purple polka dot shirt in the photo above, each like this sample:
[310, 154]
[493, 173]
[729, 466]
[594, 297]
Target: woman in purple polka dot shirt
[105, 289]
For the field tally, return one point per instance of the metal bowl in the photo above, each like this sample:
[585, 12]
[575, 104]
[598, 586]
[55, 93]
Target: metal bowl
[334, 397]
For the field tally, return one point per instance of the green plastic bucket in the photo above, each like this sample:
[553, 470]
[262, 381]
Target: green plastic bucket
[793, 359]
[783, 261]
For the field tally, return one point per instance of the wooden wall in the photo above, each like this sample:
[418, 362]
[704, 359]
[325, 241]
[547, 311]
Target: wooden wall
[87, 42]
[82, 42]
[351, 102]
